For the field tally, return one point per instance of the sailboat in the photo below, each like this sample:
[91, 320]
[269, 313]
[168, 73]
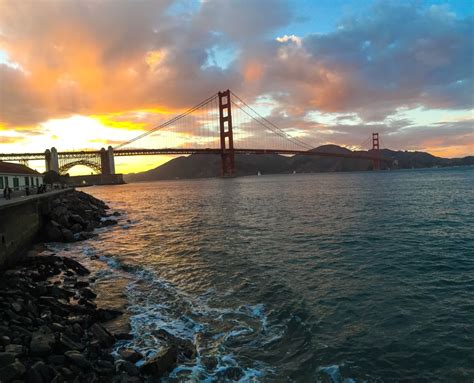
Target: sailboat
[258, 173]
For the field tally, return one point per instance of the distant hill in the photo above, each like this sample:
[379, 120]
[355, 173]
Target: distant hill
[206, 165]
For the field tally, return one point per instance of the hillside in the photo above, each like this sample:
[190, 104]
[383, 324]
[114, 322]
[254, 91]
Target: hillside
[204, 165]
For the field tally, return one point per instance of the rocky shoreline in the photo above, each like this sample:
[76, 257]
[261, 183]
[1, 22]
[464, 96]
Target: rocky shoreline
[50, 328]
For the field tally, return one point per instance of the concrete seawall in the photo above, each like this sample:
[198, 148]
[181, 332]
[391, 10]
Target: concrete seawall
[21, 221]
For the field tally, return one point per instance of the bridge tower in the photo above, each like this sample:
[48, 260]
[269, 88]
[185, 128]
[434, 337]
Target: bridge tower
[110, 155]
[51, 159]
[104, 162]
[226, 135]
[376, 151]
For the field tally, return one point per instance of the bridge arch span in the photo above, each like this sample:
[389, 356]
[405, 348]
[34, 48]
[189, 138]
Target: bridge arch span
[90, 164]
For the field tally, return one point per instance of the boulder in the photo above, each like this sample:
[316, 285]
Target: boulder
[11, 371]
[16, 349]
[130, 355]
[40, 373]
[161, 363]
[41, 342]
[78, 359]
[4, 340]
[102, 335]
[76, 228]
[68, 235]
[109, 222]
[53, 232]
[6, 358]
[76, 218]
[65, 343]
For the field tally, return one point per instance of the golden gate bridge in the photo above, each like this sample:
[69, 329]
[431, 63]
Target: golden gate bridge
[223, 124]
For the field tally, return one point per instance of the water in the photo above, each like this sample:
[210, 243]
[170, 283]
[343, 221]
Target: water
[352, 277]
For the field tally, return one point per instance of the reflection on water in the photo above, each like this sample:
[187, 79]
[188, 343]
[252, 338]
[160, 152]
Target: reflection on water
[326, 277]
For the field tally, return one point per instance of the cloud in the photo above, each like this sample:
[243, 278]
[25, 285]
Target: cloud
[397, 55]
[104, 56]
[121, 61]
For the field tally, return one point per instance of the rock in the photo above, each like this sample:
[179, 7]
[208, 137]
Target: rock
[78, 359]
[81, 284]
[209, 362]
[102, 335]
[129, 379]
[130, 355]
[76, 266]
[40, 373]
[68, 235]
[11, 371]
[4, 340]
[161, 363]
[17, 307]
[76, 218]
[53, 232]
[76, 228]
[88, 293]
[231, 373]
[57, 327]
[56, 359]
[185, 347]
[105, 315]
[6, 358]
[65, 343]
[16, 349]
[41, 342]
[127, 367]
[109, 222]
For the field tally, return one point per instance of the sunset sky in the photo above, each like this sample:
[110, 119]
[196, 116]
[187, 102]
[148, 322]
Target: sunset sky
[92, 73]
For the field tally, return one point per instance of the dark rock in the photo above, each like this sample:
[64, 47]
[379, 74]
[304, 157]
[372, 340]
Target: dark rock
[209, 362]
[109, 222]
[76, 228]
[102, 335]
[127, 367]
[186, 348]
[76, 266]
[81, 284]
[105, 315]
[53, 232]
[78, 359]
[7, 358]
[57, 327]
[56, 359]
[16, 349]
[161, 363]
[68, 235]
[65, 343]
[77, 219]
[41, 342]
[88, 293]
[130, 355]
[39, 373]
[17, 307]
[231, 373]
[4, 340]
[11, 371]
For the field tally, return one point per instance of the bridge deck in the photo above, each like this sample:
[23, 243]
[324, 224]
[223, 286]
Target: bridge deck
[174, 151]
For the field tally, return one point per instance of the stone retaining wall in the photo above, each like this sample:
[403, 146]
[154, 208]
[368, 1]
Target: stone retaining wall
[21, 221]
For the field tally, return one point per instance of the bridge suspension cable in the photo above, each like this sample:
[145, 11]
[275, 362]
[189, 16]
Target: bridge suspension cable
[267, 123]
[169, 122]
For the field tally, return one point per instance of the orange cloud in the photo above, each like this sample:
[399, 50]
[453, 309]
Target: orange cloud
[253, 72]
